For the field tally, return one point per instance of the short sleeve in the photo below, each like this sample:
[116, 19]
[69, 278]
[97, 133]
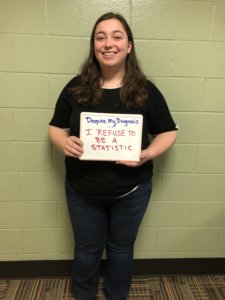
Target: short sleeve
[61, 114]
[63, 107]
[158, 114]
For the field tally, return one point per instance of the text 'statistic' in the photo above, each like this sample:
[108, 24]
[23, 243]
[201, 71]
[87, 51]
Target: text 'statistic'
[111, 136]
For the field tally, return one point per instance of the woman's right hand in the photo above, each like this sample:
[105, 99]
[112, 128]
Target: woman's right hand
[73, 147]
[68, 144]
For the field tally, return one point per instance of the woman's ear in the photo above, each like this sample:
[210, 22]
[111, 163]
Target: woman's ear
[129, 47]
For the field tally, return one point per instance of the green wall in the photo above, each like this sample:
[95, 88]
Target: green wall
[181, 46]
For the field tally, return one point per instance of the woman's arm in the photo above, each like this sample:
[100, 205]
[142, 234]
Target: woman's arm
[160, 144]
[61, 139]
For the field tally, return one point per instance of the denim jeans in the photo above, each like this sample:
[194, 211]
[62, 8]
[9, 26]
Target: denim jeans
[105, 224]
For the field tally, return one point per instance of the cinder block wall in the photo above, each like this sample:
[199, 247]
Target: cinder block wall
[181, 46]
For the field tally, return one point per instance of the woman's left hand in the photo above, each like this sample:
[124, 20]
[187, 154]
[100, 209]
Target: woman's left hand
[144, 157]
[161, 143]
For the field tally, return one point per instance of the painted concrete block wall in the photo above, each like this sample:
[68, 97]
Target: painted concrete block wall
[181, 47]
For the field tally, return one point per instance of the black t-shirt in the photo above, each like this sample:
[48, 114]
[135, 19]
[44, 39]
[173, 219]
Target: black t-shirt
[104, 179]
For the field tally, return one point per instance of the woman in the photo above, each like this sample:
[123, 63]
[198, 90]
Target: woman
[107, 200]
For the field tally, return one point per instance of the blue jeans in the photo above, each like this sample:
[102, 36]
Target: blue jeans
[105, 224]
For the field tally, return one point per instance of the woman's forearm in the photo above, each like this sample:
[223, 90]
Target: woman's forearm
[161, 143]
[70, 145]
[58, 137]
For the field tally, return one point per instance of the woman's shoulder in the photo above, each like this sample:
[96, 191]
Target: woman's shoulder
[152, 85]
[70, 85]
[73, 82]
[67, 90]
[154, 90]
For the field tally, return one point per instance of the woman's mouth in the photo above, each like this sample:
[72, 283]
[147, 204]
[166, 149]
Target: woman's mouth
[109, 54]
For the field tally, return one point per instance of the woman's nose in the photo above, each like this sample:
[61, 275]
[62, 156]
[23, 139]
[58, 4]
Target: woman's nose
[108, 42]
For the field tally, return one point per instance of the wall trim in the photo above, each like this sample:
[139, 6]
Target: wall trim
[62, 268]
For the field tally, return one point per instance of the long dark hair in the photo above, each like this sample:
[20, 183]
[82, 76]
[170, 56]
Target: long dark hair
[134, 89]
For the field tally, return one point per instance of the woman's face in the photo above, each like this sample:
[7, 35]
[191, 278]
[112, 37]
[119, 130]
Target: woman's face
[111, 45]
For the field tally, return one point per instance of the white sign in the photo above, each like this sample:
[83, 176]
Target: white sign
[111, 136]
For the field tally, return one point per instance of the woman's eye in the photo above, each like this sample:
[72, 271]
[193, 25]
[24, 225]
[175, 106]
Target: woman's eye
[118, 37]
[100, 38]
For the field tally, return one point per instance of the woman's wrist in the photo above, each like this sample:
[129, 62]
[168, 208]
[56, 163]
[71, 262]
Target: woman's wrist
[150, 153]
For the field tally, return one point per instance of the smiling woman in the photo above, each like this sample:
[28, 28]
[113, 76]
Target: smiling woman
[111, 49]
[108, 199]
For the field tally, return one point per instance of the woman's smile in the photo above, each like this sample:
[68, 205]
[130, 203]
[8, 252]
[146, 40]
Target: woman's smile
[109, 53]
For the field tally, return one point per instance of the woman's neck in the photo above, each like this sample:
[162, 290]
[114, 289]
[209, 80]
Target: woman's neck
[110, 79]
